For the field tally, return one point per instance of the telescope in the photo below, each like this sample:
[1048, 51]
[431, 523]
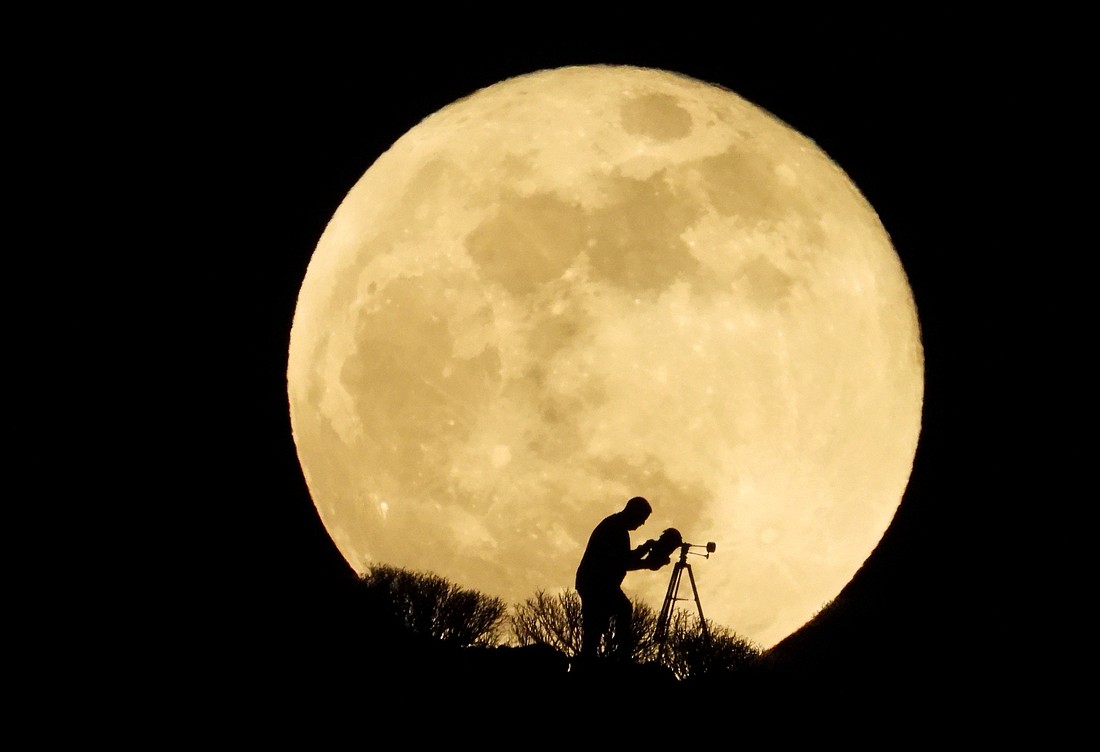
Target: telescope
[670, 540]
[672, 594]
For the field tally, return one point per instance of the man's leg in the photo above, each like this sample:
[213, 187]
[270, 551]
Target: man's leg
[594, 619]
[622, 612]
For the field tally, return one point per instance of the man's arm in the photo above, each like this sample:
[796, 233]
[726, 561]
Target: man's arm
[634, 560]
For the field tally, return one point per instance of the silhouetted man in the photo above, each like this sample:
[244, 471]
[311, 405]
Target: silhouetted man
[605, 563]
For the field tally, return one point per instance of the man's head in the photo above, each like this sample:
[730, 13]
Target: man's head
[636, 511]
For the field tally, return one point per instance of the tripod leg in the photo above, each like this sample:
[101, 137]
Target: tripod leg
[699, 605]
[669, 604]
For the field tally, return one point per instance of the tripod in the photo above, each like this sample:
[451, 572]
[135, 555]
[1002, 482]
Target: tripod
[672, 595]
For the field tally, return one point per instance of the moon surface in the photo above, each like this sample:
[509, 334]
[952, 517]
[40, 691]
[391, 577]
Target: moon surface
[590, 283]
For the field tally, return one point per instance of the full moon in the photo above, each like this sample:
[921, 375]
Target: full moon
[590, 283]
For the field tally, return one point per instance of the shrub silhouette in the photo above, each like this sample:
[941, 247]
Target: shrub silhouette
[430, 606]
[552, 620]
[555, 621]
[689, 654]
[426, 605]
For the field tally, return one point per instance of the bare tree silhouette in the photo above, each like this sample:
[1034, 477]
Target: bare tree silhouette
[555, 621]
[431, 606]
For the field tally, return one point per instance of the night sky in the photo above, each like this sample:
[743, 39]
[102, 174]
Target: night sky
[298, 131]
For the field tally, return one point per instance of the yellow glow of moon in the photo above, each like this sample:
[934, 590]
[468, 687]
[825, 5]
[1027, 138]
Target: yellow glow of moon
[591, 283]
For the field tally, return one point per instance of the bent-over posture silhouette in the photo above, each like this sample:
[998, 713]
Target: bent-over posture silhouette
[607, 559]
